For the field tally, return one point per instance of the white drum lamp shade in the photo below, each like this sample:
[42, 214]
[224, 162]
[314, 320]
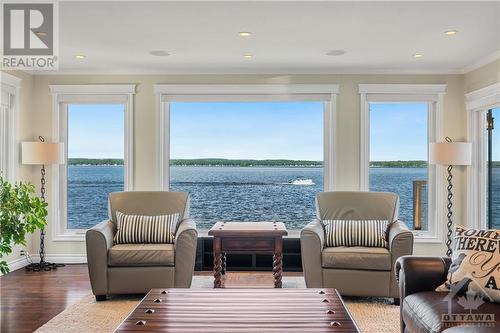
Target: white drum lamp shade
[42, 153]
[450, 153]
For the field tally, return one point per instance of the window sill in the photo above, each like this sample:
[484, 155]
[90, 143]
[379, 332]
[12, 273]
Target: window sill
[425, 237]
[70, 236]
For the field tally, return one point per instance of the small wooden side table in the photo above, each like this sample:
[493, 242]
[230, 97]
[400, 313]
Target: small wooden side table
[248, 237]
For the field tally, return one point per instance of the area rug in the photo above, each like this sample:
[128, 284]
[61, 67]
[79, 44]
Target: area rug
[373, 315]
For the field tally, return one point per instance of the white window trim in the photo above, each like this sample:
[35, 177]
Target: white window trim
[12, 85]
[433, 94]
[166, 93]
[477, 103]
[62, 95]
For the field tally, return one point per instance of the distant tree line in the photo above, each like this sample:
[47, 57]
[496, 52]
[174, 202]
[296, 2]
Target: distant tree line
[253, 163]
[95, 161]
[244, 163]
[398, 164]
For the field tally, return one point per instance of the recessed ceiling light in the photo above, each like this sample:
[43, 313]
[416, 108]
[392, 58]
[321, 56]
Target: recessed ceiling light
[80, 56]
[159, 53]
[335, 53]
[418, 55]
[245, 33]
[248, 56]
[450, 32]
[41, 33]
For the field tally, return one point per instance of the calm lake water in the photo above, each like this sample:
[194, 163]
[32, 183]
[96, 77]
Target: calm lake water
[237, 194]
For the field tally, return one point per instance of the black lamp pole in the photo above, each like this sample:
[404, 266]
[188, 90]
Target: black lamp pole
[42, 265]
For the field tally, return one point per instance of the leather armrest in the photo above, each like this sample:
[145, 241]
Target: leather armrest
[312, 241]
[417, 273]
[185, 243]
[99, 239]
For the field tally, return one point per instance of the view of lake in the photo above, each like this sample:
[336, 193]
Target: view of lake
[235, 193]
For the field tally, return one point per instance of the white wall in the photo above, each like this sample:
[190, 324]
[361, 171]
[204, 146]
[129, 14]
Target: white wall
[348, 118]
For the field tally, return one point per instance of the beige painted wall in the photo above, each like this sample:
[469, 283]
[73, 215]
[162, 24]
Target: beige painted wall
[348, 129]
[23, 133]
[482, 77]
[348, 115]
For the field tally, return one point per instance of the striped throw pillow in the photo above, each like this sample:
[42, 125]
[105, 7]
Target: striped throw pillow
[368, 233]
[140, 229]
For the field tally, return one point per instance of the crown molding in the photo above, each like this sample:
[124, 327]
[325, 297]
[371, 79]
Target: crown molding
[92, 88]
[482, 62]
[10, 80]
[402, 88]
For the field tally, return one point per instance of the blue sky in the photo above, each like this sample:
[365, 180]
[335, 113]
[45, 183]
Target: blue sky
[264, 130]
[398, 131]
[96, 131]
[268, 130]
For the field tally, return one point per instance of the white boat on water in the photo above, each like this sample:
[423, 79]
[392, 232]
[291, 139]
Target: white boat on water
[302, 182]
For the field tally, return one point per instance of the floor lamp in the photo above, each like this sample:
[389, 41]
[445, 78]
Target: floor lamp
[450, 153]
[42, 153]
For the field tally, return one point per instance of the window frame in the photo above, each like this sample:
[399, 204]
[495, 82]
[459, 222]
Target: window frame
[62, 96]
[477, 103]
[433, 95]
[10, 87]
[168, 93]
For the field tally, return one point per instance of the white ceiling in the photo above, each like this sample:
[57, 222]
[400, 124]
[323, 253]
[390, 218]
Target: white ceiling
[288, 37]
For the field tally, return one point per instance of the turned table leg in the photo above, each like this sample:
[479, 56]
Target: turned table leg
[278, 262]
[217, 263]
[224, 263]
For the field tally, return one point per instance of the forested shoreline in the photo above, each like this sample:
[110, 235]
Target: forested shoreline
[219, 162]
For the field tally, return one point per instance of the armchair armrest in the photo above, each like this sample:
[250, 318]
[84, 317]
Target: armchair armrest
[400, 244]
[99, 239]
[417, 273]
[185, 243]
[312, 241]
[400, 240]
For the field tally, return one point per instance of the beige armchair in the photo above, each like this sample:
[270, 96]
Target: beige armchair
[137, 268]
[355, 271]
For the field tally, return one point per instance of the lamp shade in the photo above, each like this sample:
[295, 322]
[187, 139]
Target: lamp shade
[42, 153]
[450, 153]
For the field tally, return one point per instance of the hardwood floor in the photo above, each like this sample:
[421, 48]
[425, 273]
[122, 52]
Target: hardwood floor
[29, 299]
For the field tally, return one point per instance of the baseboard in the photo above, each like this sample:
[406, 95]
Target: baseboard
[17, 263]
[61, 258]
[56, 258]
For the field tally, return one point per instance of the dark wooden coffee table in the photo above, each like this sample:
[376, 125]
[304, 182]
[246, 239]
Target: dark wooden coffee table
[248, 237]
[240, 311]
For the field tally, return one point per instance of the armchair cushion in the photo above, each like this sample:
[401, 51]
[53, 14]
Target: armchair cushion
[143, 229]
[367, 233]
[356, 257]
[141, 255]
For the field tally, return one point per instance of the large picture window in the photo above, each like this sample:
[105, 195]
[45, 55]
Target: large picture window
[247, 152]
[94, 123]
[95, 150]
[493, 166]
[398, 157]
[248, 161]
[398, 121]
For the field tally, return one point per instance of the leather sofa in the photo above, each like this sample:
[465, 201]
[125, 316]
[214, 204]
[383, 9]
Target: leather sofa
[137, 268]
[422, 308]
[355, 271]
